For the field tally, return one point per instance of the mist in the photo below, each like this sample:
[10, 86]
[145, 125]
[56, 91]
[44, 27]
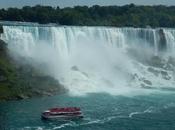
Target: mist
[94, 59]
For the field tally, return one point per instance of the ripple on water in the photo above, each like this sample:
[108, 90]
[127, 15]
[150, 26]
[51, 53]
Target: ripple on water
[149, 110]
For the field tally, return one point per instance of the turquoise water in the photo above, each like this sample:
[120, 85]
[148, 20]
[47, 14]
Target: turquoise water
[102, 112]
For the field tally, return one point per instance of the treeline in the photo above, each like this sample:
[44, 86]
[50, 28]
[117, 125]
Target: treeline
[128, 15]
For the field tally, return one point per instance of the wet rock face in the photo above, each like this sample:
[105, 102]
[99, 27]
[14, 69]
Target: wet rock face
[162, 40]
[156, 61]
[153, 71]
[165, 75]
[147, 82]
[171, 60]
[3, 46]
[1, 29]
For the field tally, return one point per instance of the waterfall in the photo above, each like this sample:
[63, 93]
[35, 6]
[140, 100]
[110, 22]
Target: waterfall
[91, 59]
[63, 37]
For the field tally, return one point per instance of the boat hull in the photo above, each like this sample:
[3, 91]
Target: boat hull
[62, 117]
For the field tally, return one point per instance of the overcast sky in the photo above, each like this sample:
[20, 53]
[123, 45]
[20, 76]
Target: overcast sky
[66, 3]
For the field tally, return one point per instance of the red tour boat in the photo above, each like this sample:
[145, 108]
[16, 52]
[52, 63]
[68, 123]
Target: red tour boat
[62, 113]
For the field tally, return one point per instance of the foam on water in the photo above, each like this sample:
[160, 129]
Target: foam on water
[149, 110]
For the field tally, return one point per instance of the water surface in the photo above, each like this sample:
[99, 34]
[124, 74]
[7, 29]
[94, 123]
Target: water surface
[101, 111]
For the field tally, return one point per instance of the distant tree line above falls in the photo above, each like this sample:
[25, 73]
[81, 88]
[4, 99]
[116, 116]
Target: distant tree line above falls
[128, 15]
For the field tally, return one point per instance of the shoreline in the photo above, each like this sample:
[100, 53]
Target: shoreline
[34, 24]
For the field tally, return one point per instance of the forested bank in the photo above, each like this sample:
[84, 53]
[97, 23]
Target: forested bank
[128, 15]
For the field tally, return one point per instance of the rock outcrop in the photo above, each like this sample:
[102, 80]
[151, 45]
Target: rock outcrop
[162, 41]
[1, 29]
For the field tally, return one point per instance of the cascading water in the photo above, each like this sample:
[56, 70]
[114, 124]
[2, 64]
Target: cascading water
[97, 59]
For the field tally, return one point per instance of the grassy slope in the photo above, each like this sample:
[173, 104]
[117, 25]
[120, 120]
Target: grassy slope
[23, 81]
